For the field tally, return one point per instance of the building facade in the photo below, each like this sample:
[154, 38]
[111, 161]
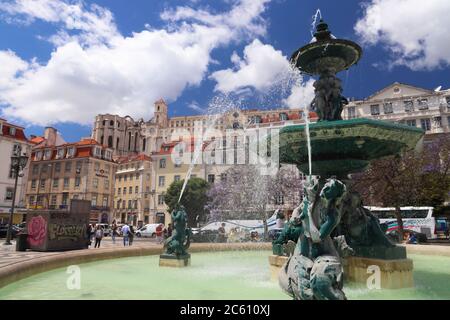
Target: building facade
[133, 190]
[83, 170]
[401, 103]
[12, 139]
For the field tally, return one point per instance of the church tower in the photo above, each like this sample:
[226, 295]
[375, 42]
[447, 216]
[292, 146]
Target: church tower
[160, 116]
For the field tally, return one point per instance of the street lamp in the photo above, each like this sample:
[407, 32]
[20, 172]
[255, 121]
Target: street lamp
[18, 163]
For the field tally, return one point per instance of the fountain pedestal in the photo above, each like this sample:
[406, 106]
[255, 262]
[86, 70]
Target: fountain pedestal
[168, 260]
[393, 274]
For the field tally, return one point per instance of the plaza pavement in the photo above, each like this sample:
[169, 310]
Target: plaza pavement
[9, 256]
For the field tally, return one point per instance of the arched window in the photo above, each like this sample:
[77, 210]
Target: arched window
[104, 122]
[101, 139]
[111, 123]
[129, 141]
[135, 143]
[117, 143]
[110, 142]
[144, 143]
[118, 124]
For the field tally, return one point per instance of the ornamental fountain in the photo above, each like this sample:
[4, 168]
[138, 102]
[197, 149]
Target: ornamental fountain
[331, 236]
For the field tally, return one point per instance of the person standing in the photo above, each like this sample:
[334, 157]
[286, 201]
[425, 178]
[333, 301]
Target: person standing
[125, 234]
[88, 234]
[222, 236]
[159, 233]
[98, 236]
[131, 235]
[114, 231]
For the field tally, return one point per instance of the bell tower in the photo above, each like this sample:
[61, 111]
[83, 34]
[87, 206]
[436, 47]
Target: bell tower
[161, 113]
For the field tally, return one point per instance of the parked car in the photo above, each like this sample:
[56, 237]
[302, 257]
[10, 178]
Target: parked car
[4, 231]
[148, 231]
[205, 235]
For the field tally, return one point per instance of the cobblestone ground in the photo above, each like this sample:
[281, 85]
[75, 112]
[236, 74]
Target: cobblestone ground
[9, 255]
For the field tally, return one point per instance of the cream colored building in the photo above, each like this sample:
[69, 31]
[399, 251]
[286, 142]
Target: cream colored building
[402, 103]
[133, 190]
[83, 170]
[12, 139]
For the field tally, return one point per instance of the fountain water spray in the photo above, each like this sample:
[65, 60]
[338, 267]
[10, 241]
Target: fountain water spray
[315, 19]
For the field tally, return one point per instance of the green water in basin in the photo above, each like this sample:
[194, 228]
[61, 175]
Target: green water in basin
[222, 275]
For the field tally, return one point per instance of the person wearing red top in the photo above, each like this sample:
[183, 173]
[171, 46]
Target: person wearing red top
[159, 233]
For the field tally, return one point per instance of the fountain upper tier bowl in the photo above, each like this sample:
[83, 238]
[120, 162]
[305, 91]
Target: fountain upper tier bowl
[346, 146]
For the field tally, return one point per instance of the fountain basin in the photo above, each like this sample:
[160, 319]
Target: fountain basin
[345, 146]
[232, 275]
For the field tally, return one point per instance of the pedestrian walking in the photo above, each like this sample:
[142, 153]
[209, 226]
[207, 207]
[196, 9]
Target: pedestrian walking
[125, 234]
[159, 233]
[98, 236]
[113, 231]
[131, 235]
[88, 235]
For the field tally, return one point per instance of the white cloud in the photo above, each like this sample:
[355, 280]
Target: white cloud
[261, 67]
[414, 31]
[94, 69]
[301, 96]
[266, 70]
[196, 107]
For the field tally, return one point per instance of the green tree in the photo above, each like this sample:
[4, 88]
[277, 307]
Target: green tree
[194, 199]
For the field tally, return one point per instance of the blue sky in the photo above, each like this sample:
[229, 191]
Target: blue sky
[63, 62]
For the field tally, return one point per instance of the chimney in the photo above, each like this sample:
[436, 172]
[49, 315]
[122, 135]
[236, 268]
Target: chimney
[50, 136]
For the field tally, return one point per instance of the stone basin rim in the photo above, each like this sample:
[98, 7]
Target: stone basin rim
[27, 268]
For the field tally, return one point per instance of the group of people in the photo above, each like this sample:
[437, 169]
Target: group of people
[96, 233]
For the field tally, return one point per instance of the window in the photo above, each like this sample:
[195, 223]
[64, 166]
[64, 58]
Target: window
[42, 184]
[437, 122]
[423, 104]
[9, 194]
[77, 182]
[119, 191]
[53, 200]
[426, 124]
[12, 131]
[447, 100]
[283, 116]
[136, 190]
[411, 123]
[223, 177]
[130, 190]
[162, 181]
[351, 112]
[409, 106]
[177, 178]
[125, 177]
[60, 153]
[375, 109]
[31, 200]
[162, 163]
[129, 204]
[66, 183]
[39, 200]
[33, 184]
[68, 166]
[65, 199]
[107, 168]
[387, 108]
[55, 183]
[35, 169]
[279, 199]
[44, 168]
[38, 155]
[71, 152]
[105, 201]
[106, 184]
[97, 152]
[95, 183]
[211, 178]
[79, 165]
[16, 150]
[124, 190]
[94, 200]
[97, 167]
[58, 167]
[118, 204]
[160, 199]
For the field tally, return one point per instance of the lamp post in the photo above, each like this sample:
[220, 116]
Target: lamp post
[18, 163]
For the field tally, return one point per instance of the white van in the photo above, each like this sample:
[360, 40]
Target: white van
[148, 231]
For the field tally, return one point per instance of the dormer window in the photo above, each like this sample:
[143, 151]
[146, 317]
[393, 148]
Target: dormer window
[47, 154]
[283, 117]
[108, 155]
[70, 152]
[38, 156]
[60, 153]
[97, 152]
[12, 131]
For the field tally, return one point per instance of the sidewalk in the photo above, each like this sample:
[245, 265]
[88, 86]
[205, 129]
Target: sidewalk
[9, 255]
